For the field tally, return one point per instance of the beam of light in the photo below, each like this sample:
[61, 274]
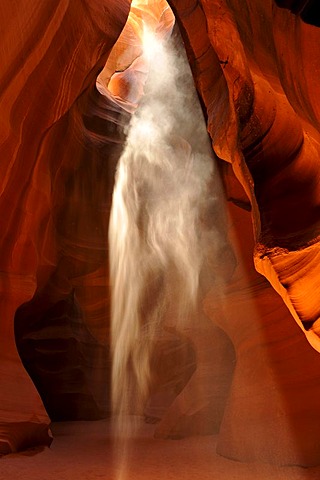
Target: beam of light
[159, 242]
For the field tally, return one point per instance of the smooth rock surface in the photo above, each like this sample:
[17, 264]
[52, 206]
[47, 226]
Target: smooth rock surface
[51, 52]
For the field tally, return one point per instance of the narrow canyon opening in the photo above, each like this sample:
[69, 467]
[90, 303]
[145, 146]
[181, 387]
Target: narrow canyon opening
[168, 245]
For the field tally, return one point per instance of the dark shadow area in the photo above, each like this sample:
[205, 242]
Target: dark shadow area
[309, 10]
[68, 366]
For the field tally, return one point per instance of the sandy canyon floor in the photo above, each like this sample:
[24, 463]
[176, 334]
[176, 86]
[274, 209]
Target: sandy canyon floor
[85, 451]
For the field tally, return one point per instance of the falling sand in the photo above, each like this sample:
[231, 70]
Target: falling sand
[165, 230]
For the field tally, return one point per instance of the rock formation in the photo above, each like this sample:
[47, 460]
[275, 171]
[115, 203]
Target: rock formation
[256, 68]
[51, 55]
[263, 119]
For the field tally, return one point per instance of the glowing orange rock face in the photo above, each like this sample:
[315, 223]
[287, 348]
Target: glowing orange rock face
[51, 53]
[264, 120]
[268, 131]
[125, 71]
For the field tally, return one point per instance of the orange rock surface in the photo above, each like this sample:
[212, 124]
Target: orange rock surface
[259, 60]
[50, 55]
[257, 68]
[251, 69]
[263, 116]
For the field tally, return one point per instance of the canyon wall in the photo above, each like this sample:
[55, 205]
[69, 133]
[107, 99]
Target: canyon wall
[251, 69]
[51, 55]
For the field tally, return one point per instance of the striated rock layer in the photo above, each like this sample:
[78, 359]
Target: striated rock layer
[51, 54]
[258, 77]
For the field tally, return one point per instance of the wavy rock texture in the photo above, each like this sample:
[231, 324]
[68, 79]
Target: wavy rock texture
[251, 69]
[271, 139]
[51, 53]
[256, 69]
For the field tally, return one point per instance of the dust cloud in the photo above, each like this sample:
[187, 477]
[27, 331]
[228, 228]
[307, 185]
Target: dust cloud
[166, 225]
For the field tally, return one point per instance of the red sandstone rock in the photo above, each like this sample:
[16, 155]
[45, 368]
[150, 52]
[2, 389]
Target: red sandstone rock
[50, 54]
[271, 137]
[272, 143]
